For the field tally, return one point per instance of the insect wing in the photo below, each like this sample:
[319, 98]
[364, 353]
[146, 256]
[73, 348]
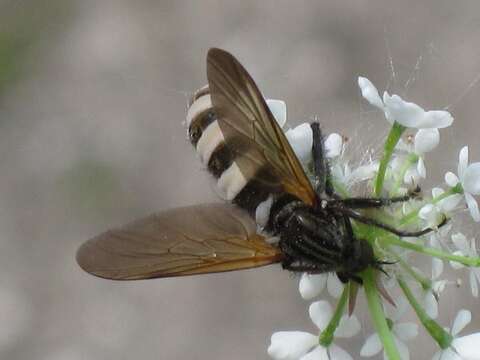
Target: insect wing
[184, 241]
[246, 121]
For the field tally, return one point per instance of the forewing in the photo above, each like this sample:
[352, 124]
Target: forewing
[244, 118]
[184, 241]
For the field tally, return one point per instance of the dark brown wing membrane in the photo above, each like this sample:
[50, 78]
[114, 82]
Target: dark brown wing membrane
[243, 116]
[184, 241]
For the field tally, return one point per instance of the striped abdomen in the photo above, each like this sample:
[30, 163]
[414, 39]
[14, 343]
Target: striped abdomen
[247, 190]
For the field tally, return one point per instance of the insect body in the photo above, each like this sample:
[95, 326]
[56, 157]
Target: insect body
[243, 147]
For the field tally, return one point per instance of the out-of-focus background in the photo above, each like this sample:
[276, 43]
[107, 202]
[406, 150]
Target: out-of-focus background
[92, 99]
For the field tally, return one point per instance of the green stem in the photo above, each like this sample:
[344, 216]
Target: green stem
[326, 337]
[467, 261]
[412, 215]
[378, 317]
[393, 137]
[443, 338]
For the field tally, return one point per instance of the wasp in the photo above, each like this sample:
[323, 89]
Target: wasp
[245, 150]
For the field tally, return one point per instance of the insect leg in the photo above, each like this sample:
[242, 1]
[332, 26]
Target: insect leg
[309, 268]
[402, 233]
[320, 166]
[365, 203]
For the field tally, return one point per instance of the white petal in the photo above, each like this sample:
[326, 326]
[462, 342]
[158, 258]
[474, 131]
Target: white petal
[426, 140]
[450, 202]
[320, 312]
[467, 346]
[476, 271]
[411, 176]
[372, 346]
[473, 284]
[426, 211]
[311, 285]
[362, 173]
[422, 171]
[349, 326]
[336, 170]
[451, 179]
[370, 92]
[461, 242]
[279, 110]
[439, 286]
[462, 161]
[301, 140]
[449, 354]
[319, 353]
[405, 113]
[405, 146]
[473, 207]
[334, 286]
[430, 214]
[406, 331]
[471, 179]
[436, 119]
[473, 247]
[337, 353]
[462, 319]
[400, 309]
[333, 145]
[402, 350]
[431, 305]
[437, 191]
[437, 268]
[290, 345]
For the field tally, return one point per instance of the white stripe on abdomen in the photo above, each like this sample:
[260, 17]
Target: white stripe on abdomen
[231, 182]
[210, 139]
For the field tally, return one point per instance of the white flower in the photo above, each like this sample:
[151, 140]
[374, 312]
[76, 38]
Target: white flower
[469, 178]
[467, 248]
[405, 113]
[467, 346]
[430, 295]
[279, 110]
[463, 347]
[334, 145]
[301, 140]
[433, 214]
[300, 137]
[401, 332]
[311, 285]
[298, 345]
[348, 177]
[425, 140]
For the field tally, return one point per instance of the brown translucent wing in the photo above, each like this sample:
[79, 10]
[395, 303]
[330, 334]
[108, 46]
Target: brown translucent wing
[184, 241]
[245, 118]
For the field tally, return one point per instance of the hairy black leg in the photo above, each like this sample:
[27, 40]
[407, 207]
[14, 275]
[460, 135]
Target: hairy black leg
[348, 229]
[402, 233]
[365, 203]
[309, 268]
[318, 152]
[320, 164]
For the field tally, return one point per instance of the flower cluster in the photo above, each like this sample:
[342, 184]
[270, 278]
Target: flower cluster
[402, 166]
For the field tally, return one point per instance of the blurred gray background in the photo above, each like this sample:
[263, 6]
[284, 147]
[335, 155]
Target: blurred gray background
[92, 99]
